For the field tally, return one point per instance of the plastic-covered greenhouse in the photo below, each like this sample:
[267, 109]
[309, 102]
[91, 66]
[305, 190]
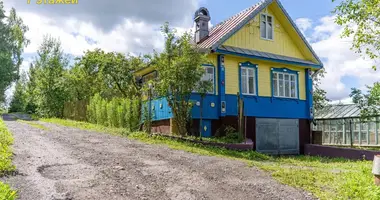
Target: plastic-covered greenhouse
[340, 123]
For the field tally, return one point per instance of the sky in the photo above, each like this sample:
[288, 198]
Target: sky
[133, 26]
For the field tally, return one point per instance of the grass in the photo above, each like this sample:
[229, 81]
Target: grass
[33, 124]
[325, 178]
[6, 165]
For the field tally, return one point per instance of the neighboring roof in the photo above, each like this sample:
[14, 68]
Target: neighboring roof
[264, 55]
[224, 30]
[338, 112]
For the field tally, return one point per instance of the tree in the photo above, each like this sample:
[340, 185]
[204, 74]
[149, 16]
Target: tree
[50, 90]
[179, 68]
[12, 44]
[30, 93]
[361, 19]
[18, 102]
[320, 100]
[368, 102]
[110, 74]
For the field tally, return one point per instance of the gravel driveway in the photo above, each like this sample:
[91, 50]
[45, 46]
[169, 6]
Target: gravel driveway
[67, 163]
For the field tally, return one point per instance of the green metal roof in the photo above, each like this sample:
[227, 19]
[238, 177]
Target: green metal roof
[338, 112]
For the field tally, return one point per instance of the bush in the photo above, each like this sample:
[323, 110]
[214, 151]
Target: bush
[6, 166]
[117, 113]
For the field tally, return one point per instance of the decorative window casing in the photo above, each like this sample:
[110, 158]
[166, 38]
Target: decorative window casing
[248, 79]
[285, 84]
[266, 26]
[209, 75]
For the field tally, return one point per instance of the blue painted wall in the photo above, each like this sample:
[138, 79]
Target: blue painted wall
[268, 107]
[162, 111]
[309, 92]
[206, 128]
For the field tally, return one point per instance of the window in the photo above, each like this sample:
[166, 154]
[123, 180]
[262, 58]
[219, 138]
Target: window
[209, 76]
[151, 76]
[284, 85]
[266, 27]
[248, 81]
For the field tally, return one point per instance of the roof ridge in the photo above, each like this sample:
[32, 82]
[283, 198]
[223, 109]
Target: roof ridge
[239, 13]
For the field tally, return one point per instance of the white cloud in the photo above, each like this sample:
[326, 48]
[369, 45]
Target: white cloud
[136, 31]
[340, 61]
[304, 24]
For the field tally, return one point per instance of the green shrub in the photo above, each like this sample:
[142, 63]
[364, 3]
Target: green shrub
[117, 113]
[6, 166]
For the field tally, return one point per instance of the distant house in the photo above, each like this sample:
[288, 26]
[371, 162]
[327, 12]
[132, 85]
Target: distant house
[340, 123]
[261, 56]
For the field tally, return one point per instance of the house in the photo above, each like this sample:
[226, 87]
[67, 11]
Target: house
[260, 56]
[341, 124]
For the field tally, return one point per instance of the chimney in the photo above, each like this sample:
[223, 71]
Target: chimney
[201, 18]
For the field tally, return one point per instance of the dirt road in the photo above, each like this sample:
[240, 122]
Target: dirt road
[67, 163]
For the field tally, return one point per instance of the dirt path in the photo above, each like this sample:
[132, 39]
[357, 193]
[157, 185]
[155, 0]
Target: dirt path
[67, 163]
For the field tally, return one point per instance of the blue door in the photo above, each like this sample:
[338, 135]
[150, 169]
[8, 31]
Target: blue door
[206, 128]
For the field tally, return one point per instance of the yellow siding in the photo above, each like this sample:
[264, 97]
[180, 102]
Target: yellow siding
[283, 44]
[263, 73]
[144, 71]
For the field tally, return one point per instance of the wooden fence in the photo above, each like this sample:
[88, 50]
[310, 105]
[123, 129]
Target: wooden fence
[76, 110]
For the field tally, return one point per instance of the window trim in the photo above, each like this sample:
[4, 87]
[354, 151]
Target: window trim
[248, 65]
[214, 81]
[285, 71]
[266, 28]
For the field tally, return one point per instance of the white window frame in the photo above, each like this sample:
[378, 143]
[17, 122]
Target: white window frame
[267, 29]
[284, 88]
[248, 69]
[203, 78]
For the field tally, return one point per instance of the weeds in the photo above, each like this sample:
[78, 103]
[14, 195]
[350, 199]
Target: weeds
[6, 166]
[33, 124]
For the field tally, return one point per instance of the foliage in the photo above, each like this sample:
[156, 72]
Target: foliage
[117, 113]
[320, 100]
[50, 89]
[178, 59]
[6, 193]
[12, 44]
[6, 140]
[361, 19]
[109, 74]
[19, 102]
[368, 102]
[30, 93]
[6, 166]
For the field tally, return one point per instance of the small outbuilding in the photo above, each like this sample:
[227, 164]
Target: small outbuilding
[341, 124]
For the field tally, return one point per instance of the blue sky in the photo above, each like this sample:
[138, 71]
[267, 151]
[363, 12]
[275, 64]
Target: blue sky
[133, 27]
[313, 9]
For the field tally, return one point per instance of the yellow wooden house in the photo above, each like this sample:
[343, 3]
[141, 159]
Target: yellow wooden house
[260, 56]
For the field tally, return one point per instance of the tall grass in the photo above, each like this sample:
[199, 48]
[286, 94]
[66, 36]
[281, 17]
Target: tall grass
[115, 113]
[6, 166]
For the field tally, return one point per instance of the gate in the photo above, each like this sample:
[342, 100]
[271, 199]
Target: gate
[277, 136]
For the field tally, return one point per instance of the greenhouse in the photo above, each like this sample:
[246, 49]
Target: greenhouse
[341, 123]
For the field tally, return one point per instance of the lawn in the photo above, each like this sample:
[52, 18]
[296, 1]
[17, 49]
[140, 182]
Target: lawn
[6, 166]
[33, 124]
[325, 178]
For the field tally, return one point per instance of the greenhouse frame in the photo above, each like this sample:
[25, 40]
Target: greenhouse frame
[340, 123]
